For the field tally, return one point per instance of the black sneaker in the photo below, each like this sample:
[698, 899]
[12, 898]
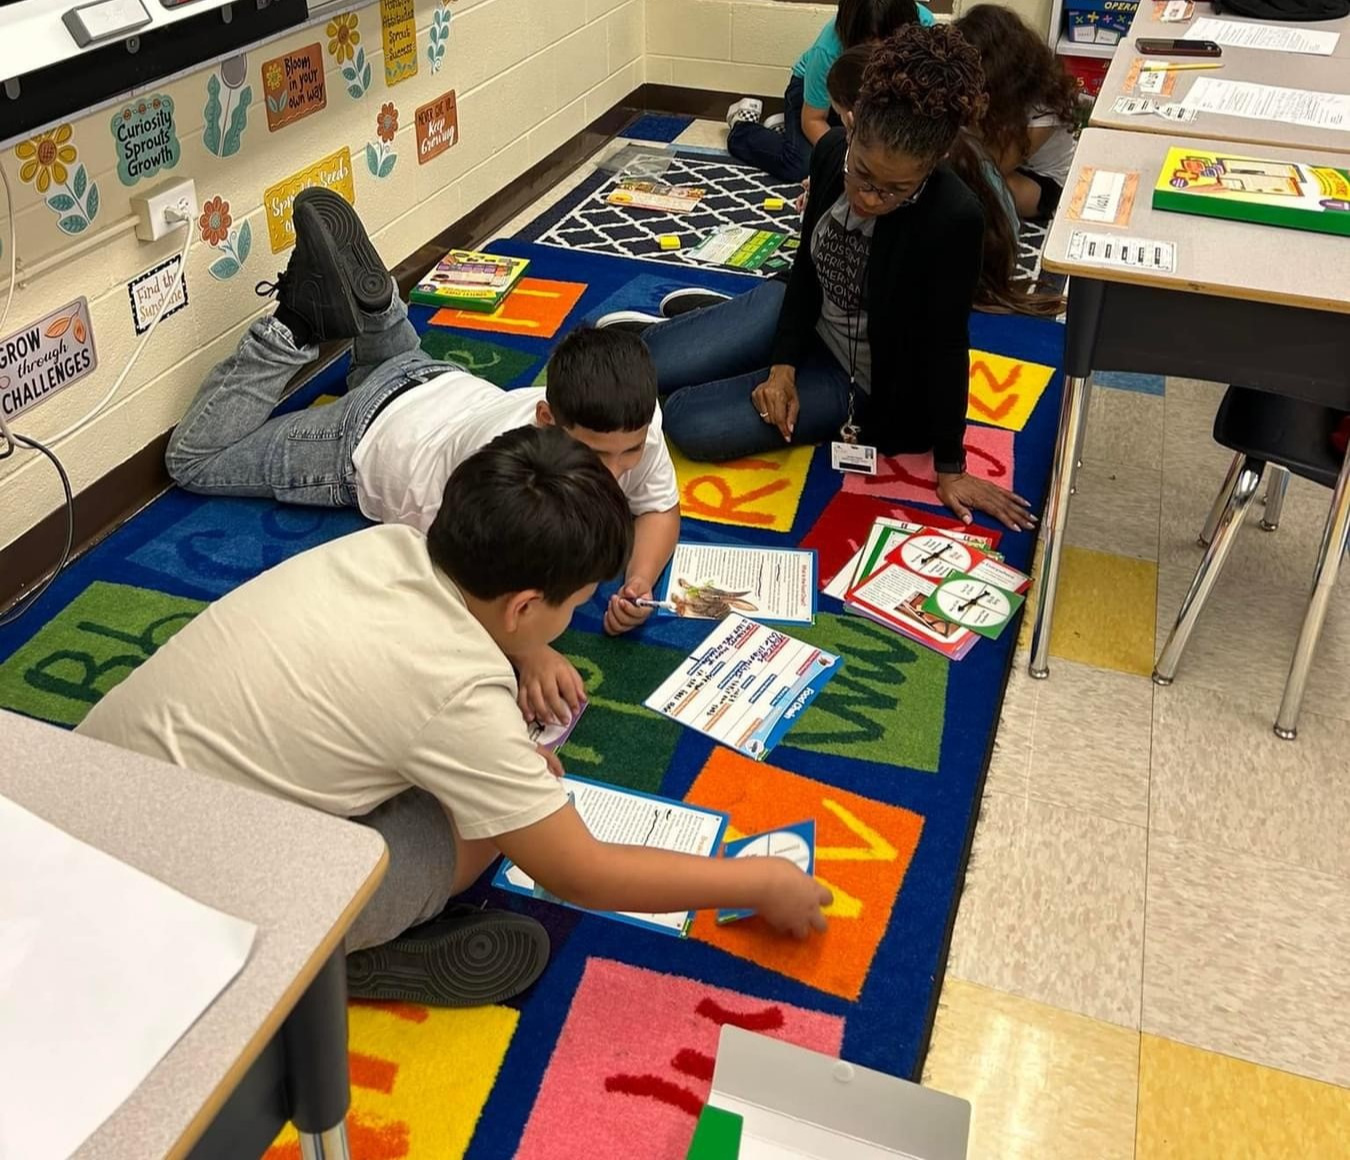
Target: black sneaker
[464, 958]
[690, 298]
[313, 299]
[321, 213]
[632, 321]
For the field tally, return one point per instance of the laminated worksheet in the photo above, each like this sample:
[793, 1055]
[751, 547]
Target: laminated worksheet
[744, 685]
[615, 815]
[102, 969]
[713, 580]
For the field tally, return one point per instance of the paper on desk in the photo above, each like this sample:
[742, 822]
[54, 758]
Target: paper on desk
[1270, 103]
[1121, 250]
[1274, 37]
[102, 970]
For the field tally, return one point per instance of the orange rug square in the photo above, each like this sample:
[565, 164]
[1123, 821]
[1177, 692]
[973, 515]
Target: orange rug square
[863, 851]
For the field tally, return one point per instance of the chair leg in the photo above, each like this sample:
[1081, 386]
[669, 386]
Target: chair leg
[1082, 434]
[1221, 501]
[1277, 484]
[1334, 537]
[1247, 480]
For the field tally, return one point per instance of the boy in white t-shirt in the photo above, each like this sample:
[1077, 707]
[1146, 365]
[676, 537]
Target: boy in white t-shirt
[407, 420]
[369, 678]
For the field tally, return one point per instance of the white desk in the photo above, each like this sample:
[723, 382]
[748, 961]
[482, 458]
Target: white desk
[1327, 74]
[299, 875]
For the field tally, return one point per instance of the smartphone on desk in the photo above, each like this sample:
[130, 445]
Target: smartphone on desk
[1165, 47]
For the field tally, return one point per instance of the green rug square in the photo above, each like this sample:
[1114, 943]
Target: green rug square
[88, 647]
[887, 703]
[499, 365]
[618, 739]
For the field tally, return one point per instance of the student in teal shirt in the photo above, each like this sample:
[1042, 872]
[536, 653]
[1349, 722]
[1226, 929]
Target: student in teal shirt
[785, 151]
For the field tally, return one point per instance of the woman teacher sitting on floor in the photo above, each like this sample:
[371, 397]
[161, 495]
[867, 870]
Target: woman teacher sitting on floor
[868, 339]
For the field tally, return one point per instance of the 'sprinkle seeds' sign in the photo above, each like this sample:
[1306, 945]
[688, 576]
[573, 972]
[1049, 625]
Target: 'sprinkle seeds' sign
[332, 172]
[293, 86]
[437, 127]
[39, 360]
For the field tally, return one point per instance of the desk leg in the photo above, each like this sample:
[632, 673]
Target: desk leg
[318, 1088]
[1071, 419]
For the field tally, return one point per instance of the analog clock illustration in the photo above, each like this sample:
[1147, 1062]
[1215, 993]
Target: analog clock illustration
[783, 844]
[973, 603]
[935, 556]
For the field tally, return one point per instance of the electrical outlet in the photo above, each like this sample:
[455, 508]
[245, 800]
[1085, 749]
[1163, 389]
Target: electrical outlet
[149, 208]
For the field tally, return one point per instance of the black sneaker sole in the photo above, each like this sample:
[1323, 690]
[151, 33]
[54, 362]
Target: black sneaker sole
[484, 959]
[367, 276]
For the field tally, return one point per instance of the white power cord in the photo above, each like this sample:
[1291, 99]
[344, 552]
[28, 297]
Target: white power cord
[177, 214]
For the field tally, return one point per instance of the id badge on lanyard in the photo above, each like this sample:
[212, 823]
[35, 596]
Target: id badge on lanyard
[846, 453]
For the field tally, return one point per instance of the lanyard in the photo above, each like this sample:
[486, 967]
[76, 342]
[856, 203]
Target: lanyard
[851, 429]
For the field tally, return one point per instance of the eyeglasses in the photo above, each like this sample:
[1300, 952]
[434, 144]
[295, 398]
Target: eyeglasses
[892, 197]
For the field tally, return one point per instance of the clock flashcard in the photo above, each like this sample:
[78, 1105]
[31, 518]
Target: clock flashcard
[551, 736]
[886, 533]
[796, 843]
[974, 604]
[937, 555]
[745, 685]
[895, 597]
[711, 581]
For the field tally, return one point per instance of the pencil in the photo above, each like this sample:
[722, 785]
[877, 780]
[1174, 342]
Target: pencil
[1172, 66]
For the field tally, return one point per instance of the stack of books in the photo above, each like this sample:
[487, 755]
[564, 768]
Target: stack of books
[466, 280]
[940, 587]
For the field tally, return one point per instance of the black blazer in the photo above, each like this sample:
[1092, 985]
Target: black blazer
[924, 264]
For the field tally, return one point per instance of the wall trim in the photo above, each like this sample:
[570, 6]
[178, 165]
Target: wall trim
[107, 503]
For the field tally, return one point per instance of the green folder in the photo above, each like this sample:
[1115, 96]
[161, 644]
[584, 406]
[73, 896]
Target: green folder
[717, 1136]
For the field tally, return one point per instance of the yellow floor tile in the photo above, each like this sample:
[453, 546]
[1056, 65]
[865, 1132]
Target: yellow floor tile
[1194, 1103]
[1105, 610]
[1041, 1082]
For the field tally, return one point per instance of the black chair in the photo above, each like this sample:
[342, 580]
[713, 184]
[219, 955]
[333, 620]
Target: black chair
[1272, 431]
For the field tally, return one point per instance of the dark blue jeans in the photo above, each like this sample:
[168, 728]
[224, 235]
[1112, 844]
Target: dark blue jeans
[786, 155]
[709, 361]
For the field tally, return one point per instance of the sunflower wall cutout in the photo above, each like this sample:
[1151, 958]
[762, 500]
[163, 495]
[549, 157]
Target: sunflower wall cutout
[45, 163]
[214, 225]
[224, 120]
[345, 47]
[380, 155]
[440, 33]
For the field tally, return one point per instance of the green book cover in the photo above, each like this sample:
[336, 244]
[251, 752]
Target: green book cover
[717, 1136]
[467, 280]
[1284, 193]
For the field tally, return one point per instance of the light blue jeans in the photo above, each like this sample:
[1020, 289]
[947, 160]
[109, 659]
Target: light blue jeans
[228, 443]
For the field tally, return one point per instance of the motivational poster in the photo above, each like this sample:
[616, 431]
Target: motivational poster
[145, 138]
[293, 86]
[40, 359]
[437, 127]
[332, 172]
[398, 24]
[162, 287]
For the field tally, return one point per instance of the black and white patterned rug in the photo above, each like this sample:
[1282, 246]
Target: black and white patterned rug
[584, 220]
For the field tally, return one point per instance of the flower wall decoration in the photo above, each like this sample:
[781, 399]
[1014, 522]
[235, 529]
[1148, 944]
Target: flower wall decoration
[380, 155]
[344, 46]
[44, 163]
[214, 225]
[440, 33]
[224, 123]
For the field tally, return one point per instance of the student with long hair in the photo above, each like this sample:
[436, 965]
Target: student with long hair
[1028, 122]
[869, 335]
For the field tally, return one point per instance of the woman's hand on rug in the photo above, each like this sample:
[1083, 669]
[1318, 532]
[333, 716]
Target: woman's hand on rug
[964, 494]
[551, 689]
[792, 900]
[552, 761]
[622, 615]
[776, 400]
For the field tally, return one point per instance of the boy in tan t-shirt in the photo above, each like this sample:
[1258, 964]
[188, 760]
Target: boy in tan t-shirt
[369, 678]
